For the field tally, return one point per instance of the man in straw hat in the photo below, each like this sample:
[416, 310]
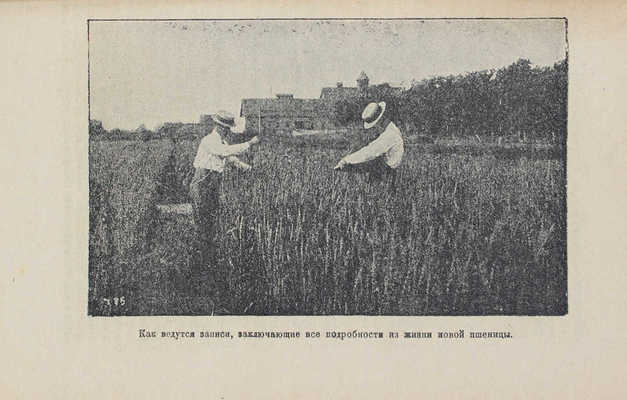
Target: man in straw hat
[213, 153]
[383, 155]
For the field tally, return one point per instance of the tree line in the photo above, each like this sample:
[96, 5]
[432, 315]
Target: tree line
[167, 130]
[517, 100]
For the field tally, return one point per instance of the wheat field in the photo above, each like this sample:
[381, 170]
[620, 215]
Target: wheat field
[461, 234]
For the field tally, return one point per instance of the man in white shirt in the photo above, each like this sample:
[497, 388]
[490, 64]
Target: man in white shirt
[212, 155]
[382, 156]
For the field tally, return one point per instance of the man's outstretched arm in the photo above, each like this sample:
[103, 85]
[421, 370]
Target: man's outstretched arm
[374, 149]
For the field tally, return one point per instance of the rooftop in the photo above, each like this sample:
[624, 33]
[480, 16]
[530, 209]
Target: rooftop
[279, 106]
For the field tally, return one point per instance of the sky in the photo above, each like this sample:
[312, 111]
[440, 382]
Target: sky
[150, 72]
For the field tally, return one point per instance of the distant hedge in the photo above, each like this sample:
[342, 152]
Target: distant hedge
[515, 100]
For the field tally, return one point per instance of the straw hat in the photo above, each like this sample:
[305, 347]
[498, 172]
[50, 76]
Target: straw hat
[372, 114]
[224, 118]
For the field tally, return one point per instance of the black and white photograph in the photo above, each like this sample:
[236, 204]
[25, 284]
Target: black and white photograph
[327, 167]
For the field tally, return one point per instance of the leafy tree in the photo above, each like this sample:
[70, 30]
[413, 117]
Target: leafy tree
[95, 128]
[516, 100]
[345, 111]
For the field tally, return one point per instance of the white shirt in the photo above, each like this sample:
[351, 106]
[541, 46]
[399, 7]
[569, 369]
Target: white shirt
[389, 144]
[213, 151]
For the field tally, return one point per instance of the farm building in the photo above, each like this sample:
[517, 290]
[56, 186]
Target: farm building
[341, 92]
[286, 113]
[282, 114]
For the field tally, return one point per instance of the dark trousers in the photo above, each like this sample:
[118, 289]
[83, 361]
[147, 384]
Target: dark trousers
[204, 191]
[377, 171]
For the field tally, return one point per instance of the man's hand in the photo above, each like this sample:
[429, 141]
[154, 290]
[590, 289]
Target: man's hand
[238, 164]
[253, 141]
[341, 164]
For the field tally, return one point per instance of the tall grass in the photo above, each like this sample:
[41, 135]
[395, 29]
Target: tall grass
[460, 234]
